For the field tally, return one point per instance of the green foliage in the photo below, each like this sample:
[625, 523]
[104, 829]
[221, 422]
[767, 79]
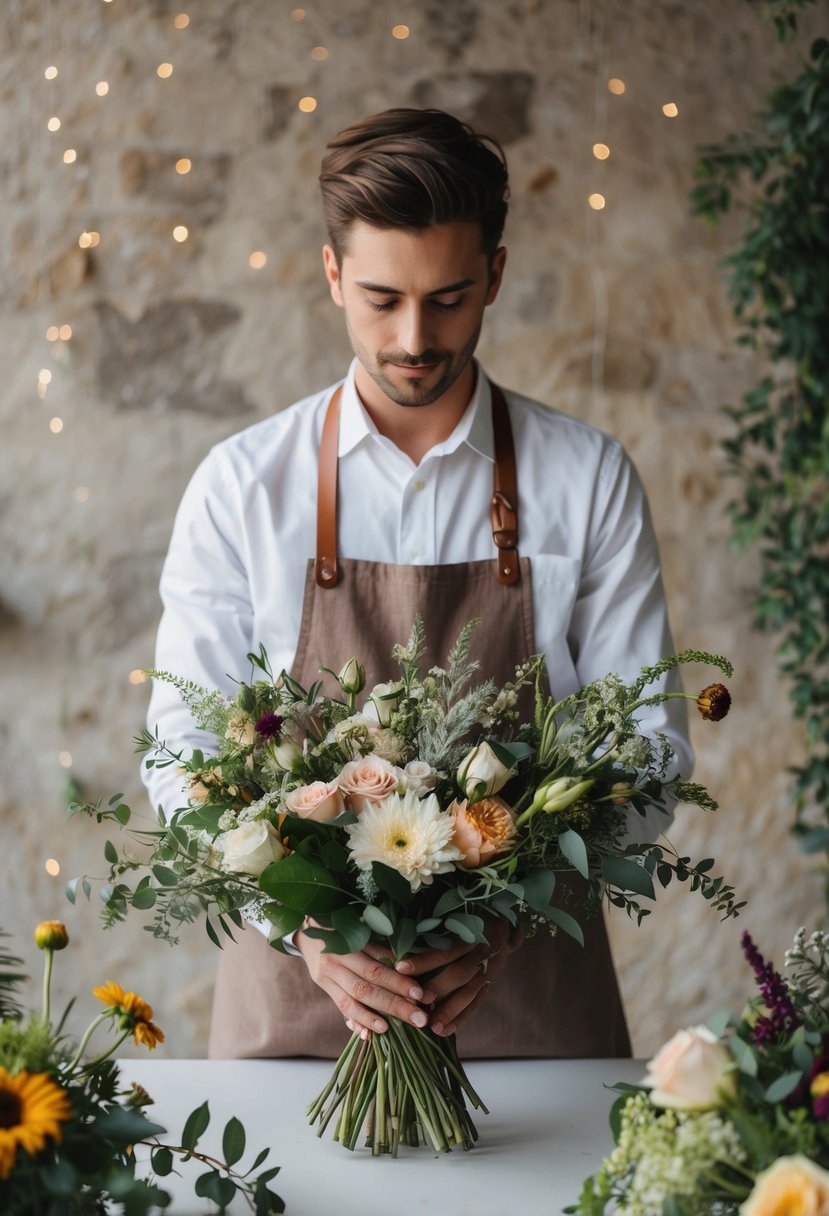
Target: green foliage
[778, 177]
[10, 980]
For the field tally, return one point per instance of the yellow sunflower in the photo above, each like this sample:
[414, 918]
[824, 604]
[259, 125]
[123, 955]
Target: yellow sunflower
[136, 1015]
[32, 1108]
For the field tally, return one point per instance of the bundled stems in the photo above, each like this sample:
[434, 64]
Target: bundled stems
[403, 1087]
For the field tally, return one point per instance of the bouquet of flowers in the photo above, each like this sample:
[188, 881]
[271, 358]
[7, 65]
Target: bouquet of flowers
[407, 822]
[69, 1127]
[733, 1115]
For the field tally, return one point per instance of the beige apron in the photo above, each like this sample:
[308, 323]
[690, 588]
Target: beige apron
[553, 997]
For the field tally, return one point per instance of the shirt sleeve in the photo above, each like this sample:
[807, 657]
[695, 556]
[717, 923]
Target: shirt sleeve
[207, 620]
[620, 620]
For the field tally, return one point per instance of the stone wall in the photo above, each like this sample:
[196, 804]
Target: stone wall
[617, 316]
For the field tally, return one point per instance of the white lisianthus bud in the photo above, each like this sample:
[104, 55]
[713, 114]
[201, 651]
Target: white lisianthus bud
[385, 698]
[482, 774]
[352, 677]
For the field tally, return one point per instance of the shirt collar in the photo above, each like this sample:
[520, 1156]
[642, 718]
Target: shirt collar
[474, 428]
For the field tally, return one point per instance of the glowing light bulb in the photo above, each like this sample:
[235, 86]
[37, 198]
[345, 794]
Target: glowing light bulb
[670, 109]
[257, 259]
[70, 156]
[180, 233]
[44, 376]
[182, 21]
[184, 165]
[56, 426]
[307, 104]
[164, 70]
[51, 72]
[52, 333]
[138, 676]
[54, 123]
[616, 85]
[102, 88]
[400, 31]
[51, 866]
[601, 151]
[319, 53]
[297, 14]
[65, 759]
[65, 333]
[596, 201]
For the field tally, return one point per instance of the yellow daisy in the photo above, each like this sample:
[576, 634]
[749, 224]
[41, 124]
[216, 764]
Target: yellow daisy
[136, 1014]
[32, 1108]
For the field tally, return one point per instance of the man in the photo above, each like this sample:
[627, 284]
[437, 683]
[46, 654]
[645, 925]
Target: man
[415, 486]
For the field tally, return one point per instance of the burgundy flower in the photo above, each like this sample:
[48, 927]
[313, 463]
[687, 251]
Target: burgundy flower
[269, 726]
[782, 1017]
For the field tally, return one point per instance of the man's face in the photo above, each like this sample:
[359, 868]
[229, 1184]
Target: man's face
[414, 302]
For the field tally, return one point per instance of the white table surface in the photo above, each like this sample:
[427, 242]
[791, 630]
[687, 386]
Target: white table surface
[546, 1131]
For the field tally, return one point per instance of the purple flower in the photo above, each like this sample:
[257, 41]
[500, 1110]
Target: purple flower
[782, 1018]
[269, 726]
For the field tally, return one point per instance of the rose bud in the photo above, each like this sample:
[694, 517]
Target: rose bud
[51, 935]
[352, 677]
[385, 698]
[482, 774]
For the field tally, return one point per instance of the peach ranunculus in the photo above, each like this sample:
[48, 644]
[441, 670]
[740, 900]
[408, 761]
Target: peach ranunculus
[367, 781]
[793, 1185]
[691, 1072]
[483, 829]
[321, 800]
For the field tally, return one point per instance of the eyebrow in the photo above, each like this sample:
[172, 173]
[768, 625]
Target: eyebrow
[395, 291]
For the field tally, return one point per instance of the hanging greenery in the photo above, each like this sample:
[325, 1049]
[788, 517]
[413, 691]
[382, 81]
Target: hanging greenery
[778, 279]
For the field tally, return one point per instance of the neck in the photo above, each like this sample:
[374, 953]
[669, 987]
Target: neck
[416, 429]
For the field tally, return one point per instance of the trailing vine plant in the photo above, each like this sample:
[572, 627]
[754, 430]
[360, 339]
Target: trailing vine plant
[778, 281]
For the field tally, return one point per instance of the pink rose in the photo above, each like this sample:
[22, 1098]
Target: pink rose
[693, 1071]
[483, 829]
[320, 800]
[367, 781]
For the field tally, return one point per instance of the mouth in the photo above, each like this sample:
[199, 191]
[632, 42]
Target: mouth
[415, 371]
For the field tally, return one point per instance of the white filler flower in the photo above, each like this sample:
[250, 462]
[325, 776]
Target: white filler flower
[408, 834]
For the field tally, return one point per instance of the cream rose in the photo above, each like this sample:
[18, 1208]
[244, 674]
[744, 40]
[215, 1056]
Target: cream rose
[250, 848]
[367, 781]
[482, 830]
[691, 1071]
[792, 1184]
[320, 800]
[482, 773]
[385, 698]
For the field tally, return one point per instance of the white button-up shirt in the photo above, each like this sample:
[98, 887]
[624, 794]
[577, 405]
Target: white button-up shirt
[246, 527]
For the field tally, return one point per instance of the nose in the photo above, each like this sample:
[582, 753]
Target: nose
[412, 335]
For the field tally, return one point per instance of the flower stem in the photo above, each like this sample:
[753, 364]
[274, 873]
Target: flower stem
[90, 1030]
[47, 984]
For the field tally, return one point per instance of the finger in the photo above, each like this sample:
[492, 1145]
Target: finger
[470, 966]
[433, 960]
[368, 992]
[458, 1008]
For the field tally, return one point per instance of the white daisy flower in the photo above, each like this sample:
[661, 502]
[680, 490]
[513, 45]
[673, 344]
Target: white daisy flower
[409, 834]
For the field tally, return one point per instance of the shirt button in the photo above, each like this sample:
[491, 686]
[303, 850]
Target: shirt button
[419, 485]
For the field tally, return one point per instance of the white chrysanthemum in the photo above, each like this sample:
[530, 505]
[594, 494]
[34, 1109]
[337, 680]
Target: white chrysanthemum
[409, 834]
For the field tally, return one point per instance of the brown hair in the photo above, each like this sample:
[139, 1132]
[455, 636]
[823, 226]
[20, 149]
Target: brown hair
[408, 168]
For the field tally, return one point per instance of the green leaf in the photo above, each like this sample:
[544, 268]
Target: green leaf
[718, 1022]
[213, 1186]
[351, 927]
[392, 882]
[143, 898]
[575, 850]
[233, 1141]
[302, 884]
[465, 925]
[538, 888]
[165, 877]
[196, 1125]
[566, 922]
[803, 1056]
[625, 874]
[448, 901]
[162, 1161]
[783, 1086]
[110, 852]
[377, 921]
[125, 1126]
[744, 1054]
[282, 920]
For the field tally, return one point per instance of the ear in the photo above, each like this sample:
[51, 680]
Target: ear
[496, 273]
[332, 273]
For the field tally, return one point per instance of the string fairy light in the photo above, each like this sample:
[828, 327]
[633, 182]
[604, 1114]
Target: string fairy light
[615, 85]
[56, 425]
[52, 866]
[138, 676]
[65, 759]
[307, 104]
[44, 376]
[102, 88]
[182, 21]
[52, 333]
[319, 53]
[88, 240]
[51, 72]
[70, 156]
[670, 109]
[400, 31]
[180, 233]
[597, 201]
[164, 70]
[601, 151]
[257, 259]
[65, 333]
[184, 165]
[297, 14]
[54, 123]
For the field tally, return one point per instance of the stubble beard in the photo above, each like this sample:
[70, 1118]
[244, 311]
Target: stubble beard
[454, 363]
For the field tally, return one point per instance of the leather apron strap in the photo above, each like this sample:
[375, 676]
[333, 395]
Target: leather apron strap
[504, 504]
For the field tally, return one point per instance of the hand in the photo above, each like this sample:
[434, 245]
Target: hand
[364, 986]
[464, 973]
